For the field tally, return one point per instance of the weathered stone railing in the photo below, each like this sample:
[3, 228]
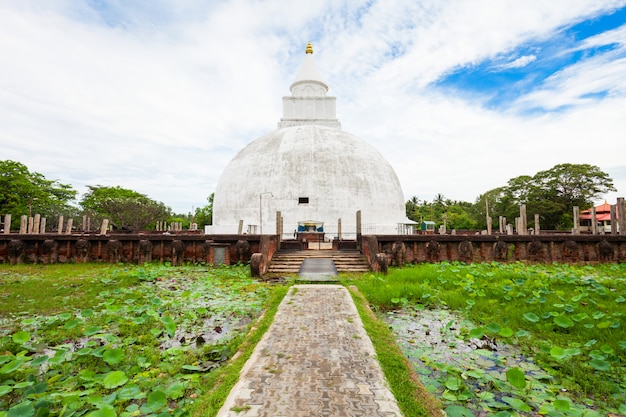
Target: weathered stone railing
[114, 248]
[259, 250]
[484, 248]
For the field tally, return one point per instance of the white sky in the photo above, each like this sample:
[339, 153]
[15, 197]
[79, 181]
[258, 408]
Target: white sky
[459, 95]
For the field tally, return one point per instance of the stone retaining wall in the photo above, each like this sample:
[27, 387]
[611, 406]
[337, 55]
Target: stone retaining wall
[136, 248]
[231, 249]
[483, 248]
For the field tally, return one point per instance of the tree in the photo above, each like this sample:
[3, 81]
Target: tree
[24, 192]
[457, 213]
[418, 210]
[412, 208]
[551, 193]
[459, 216]
[574, 184]
[564, 186]
[126, 209]
[204, 215]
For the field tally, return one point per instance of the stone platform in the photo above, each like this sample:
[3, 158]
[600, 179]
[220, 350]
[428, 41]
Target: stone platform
[315, 360]
[318, 269]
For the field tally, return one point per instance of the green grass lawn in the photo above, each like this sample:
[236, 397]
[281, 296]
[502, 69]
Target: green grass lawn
[49, 289]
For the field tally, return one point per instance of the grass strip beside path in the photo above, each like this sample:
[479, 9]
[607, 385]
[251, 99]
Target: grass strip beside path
[412, 397]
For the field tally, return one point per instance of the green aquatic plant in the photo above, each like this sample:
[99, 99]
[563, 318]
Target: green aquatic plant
[565, 323]
[134, 340]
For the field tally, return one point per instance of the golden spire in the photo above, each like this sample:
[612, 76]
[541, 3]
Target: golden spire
[309, 48]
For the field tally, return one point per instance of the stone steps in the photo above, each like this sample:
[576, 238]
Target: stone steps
[288, 262]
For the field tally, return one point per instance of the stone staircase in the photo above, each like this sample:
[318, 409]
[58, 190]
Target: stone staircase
[289, 261]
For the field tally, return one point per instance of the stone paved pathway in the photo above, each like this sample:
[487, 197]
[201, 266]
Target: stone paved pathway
[315, 360]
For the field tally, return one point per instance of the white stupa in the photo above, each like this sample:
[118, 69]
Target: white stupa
[311, 171]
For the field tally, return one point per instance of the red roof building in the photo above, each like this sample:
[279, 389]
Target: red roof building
[603, 218]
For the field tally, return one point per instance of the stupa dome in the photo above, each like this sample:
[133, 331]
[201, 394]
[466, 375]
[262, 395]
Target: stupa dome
[310, 171]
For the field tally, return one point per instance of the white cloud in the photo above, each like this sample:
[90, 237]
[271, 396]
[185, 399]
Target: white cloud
[162, 100]
[604, 74]
[520, 62]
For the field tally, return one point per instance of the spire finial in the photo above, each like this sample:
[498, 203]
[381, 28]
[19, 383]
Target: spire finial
[309, 48]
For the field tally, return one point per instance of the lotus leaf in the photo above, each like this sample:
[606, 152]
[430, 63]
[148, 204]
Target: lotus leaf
[557, 352]
[573, 351]
[593, 413]
[115, 379]
[447, 395]
[532, 317]
[91, 330]
[71, 324]
[516, 378]
[600, 364]
[597, 354]
[517, 404]
[562, 404]
[113, 356]
[175, 390]
[87, 375]
[506, 332]
[192, 368]
[38, 388]
[115, 308]
[607, 349]
[130, 392]
[477, 333]
[458, 411]
[65, 316]
[563, 321]
[21, 337]
[143, 362]
[12, 366]
[84, 351]
[493, 327]
[156, 401]
[598, 315]
[105, 411]
[600, 290]
[99, 351]
[453, 383]
[23, 409]
[60, 357]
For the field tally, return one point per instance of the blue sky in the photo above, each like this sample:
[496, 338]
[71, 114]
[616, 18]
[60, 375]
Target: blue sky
[498, 81]
[458, 95]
